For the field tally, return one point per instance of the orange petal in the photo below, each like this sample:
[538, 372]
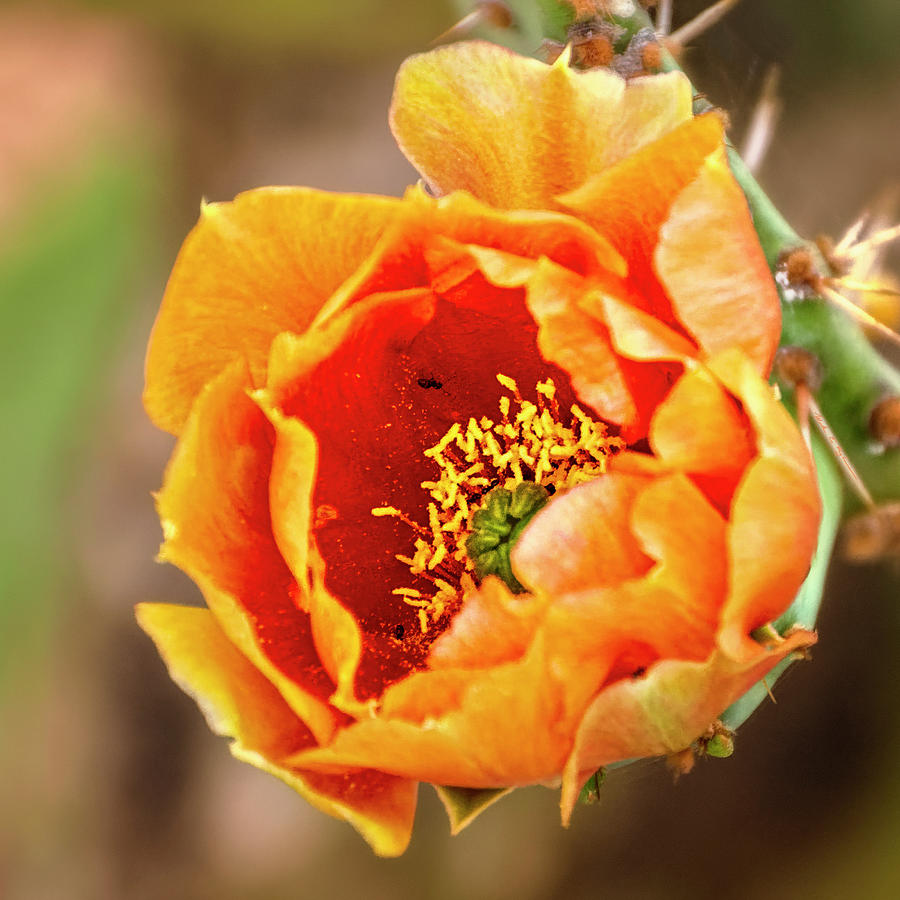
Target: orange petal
[515, 132]
[670, 612]
[714, 270]
[526, 233]
[335, 632]
[698, 428]
[775, 513]
[239, 702]
[674, 523]
[578, 343]
[507, 725]
[582, 539]
[214, 508]
[236, 698]
[494, 626]
[663, 711]
[640, 336]
[262, 264]
[629, 203]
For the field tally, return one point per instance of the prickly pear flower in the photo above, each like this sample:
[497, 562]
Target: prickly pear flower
[483, 487]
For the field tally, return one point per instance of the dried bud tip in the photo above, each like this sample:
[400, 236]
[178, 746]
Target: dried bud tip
[680, 763]
[551, 50]
[884, 422]
[796, 366]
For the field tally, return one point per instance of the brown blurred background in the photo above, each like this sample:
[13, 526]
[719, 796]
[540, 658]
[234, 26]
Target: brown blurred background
[116, 118]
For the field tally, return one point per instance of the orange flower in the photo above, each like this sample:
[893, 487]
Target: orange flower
[362, 386]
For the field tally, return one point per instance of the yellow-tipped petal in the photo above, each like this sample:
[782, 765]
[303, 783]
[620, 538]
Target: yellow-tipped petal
[515, 132]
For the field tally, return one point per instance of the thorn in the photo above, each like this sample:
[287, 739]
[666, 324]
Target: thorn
[701, 22]
[865, 287]
[663, 21]
[763, 123]
[851, 235]
[486, 12]
[850, 307]
[838, 451]
[884, 236]
[803, 396]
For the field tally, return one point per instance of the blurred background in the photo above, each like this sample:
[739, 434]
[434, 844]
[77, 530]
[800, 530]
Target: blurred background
[116, 118]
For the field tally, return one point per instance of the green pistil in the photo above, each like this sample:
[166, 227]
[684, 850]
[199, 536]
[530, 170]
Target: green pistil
[496, 528]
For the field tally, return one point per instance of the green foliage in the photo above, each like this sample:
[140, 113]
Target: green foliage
[63, 297]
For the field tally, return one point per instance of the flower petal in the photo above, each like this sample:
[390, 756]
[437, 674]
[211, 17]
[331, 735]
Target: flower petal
[582, 539]
[466, 728]
[239, 702]
[494, 626]
[663, 711]
[214, 507]
[699, 429]
[335, 632]
[579, 343]
[714, 270]
[236, 698]
[515, 132]
[262, 264]
[775, 513]
[629, 202]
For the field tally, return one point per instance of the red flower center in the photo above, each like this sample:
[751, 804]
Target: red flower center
[408, 373]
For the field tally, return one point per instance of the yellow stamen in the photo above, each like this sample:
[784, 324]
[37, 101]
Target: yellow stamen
[528, 443]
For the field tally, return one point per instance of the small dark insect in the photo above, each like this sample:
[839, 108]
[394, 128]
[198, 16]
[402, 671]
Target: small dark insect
[430, 383]
[399, 631]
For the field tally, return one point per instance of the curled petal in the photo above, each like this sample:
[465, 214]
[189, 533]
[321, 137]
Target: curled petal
[262, 264]
[465, 727]
[214, 507]
[663, 711]
[515, 132]
[713, 268]
[241, 704]
[775, 512]
[582, 539]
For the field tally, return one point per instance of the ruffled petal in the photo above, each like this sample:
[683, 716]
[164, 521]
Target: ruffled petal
[240, 703]
[582, 539]
[699, 428]
[214, 507]
[629, 202]
[664, 710]
[515, 132]
[262, 264]
[774, 520]
[494, 626]
[466, 728]
[579, 343]
[713, 268]
[237, 700]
